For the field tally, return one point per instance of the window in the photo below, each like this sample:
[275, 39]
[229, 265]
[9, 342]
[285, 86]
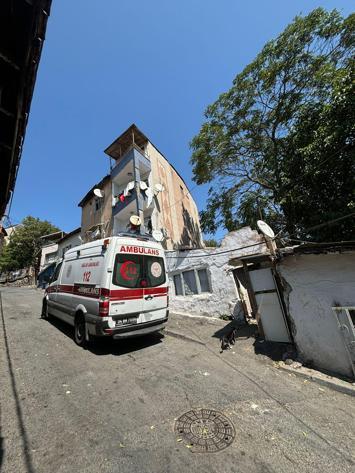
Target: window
[56, 272]
[190, 285]
[204, 282]
[193, 281]
[137, 271]
[65, 249]
[98, 204]
[346, 315]
[352, 316]
[50, 257]
[178, 285]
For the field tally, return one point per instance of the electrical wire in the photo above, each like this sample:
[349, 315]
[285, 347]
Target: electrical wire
[216, 254]
[205, 255]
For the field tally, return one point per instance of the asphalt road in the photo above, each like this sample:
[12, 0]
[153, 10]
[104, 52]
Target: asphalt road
[112, 408]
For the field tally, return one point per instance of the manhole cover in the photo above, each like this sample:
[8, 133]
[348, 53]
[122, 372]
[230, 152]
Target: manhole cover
[205, 430]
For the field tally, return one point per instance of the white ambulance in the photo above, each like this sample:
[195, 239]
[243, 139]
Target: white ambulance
[115, 287]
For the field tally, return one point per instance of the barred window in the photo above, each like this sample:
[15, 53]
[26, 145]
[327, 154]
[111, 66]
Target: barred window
[191, 282]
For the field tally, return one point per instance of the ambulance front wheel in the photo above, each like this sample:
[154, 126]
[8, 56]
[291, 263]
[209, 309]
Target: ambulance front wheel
[80, 330]
[45, 314]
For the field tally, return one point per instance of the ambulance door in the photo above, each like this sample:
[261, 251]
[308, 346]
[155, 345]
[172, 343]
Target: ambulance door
[126, 292]
[65, 292]
[87, 280]
[52, 291]
[155, 297]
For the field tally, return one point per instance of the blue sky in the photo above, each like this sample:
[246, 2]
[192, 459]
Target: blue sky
[157, 63]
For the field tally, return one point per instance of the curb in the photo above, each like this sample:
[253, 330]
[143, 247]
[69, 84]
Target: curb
[199, 318]
[335, 384]
[182, 336]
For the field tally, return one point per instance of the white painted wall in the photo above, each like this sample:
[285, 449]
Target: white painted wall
[315, 284]
[47, 250]
[223, 300]
[68, 243]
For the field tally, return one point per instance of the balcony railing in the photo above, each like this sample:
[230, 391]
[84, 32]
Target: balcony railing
[121, 205]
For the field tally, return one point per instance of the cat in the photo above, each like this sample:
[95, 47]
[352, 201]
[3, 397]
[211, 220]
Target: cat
[228, 339]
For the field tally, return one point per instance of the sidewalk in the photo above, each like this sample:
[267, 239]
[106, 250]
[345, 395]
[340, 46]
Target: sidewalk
[207, 331]
[247, 348]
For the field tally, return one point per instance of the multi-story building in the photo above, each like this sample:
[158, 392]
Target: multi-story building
[141, 183]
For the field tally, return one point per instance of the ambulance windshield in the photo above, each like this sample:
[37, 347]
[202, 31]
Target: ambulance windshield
[138, 271]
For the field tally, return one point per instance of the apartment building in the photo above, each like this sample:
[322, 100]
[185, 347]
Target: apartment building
[141, 183]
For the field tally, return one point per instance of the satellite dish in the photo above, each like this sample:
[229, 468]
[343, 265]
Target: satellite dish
[158, 188]
[135, 220]
[143, 185]
[96, 233]
[99, 193]
[265, 229]
[149, 195]
[158, 235]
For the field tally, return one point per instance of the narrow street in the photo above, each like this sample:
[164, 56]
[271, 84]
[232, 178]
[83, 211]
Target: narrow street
[112, 408]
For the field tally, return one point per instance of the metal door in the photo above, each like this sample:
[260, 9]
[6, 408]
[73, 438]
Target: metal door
[269, 305]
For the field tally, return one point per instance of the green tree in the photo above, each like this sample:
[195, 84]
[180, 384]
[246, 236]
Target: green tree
[24, 247]
[279, 145]
[211, 243]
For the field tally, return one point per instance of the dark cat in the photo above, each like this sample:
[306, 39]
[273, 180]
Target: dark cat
[228, 339]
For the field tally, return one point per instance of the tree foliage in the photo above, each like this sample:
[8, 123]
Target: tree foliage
[24, 247]
[211, 243]
[279, 145]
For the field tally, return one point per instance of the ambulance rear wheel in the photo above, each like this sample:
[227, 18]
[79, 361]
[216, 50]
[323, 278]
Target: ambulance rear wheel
[80, 330]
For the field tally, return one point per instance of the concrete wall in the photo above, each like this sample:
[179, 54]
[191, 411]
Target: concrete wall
[224, 299]
[314, 284]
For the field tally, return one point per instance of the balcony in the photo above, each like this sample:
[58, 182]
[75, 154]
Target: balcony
[133, 167]
[128, 201]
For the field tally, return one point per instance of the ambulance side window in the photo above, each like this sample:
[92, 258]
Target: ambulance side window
[56, 273]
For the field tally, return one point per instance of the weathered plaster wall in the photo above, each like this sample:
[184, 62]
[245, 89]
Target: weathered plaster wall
[315, 284]
[89, 217]
[223, 300]
[177, 208]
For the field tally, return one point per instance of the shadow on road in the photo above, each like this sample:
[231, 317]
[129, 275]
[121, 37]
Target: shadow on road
[273, 350]
[21, 424]
[243, 331]
[107, 346]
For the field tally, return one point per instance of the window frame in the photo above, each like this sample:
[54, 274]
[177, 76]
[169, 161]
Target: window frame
[347, 310]
[197, 280]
